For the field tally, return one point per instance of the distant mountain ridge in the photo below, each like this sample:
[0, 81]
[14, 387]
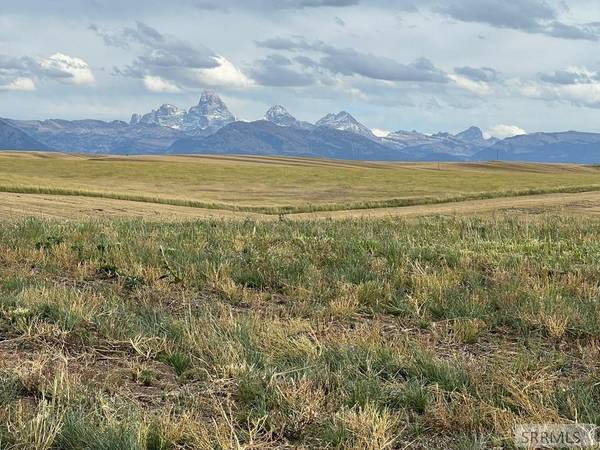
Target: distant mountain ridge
[12, 138]
[210, 127]
[568, 146]
[267, 138]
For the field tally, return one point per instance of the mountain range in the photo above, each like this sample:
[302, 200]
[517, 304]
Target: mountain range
[210, 127]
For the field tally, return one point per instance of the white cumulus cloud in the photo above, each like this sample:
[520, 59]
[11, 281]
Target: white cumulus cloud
[504, 131]
[67, 69]
[19, 84]
[225, 74]
[157, 84]
[476, 87]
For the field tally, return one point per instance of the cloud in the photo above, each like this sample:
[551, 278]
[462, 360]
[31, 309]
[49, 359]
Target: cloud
[157, 84]
[350, 62]
[18, 84]
[530, 16]
[339, 21]
[66, 69]
[485, 74]
[573, 75]
[314, 3]
[290, 43]
[176, 63]
[476, 87]
[160, 51]
[588, 32]
[271, 5]
[577, 86]
[224, 74]
[21, 73]
[278, 70]
[504, 131]
[120, 8]
[523, 14]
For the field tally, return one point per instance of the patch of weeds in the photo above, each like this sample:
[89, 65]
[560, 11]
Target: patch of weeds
[22, 318]
[450, 376]
[580, 402]
[470, 442]
[412, 395]
[468, 331]
[16, 284]
[7, 438]
[108, 271]
[82, 432]
[79, 250]
[65, 318]
[335, 434]
[372, 294]
[155, 438]
[131, 283]
[144, 376]
[364, 391]
[11, 388]
[256, 395]
[178, 361]
[48, 242]
[459, 302]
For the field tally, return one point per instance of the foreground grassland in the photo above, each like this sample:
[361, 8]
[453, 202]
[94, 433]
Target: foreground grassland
[281, 185]
[364, 334]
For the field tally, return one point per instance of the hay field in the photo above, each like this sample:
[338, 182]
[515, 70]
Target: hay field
[281, 185]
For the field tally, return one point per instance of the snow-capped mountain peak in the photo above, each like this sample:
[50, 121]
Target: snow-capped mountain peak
[280, 116]
[472, 134]
[166, 116]
[210, 112]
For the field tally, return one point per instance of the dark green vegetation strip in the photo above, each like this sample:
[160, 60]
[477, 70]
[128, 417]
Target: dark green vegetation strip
[359, 334]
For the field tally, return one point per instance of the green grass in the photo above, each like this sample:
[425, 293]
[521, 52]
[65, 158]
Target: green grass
[438, 333]
[282, 185]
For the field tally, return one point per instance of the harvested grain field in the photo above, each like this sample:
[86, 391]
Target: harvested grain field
[59, 185]
[74, 207]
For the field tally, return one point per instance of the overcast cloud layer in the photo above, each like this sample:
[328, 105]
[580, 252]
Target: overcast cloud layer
[506, 66]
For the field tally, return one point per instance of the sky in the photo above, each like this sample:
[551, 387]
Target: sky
[429, 65]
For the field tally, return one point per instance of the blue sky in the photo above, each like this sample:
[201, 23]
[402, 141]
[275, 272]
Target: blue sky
[428, 65]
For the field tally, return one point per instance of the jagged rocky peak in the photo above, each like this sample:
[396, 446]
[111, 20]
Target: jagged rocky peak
[280, 116]
[210, 112]
[344, 121]
[405, 133]
[471, 134]
[166, 115]
[135, 119]
[342, 118]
